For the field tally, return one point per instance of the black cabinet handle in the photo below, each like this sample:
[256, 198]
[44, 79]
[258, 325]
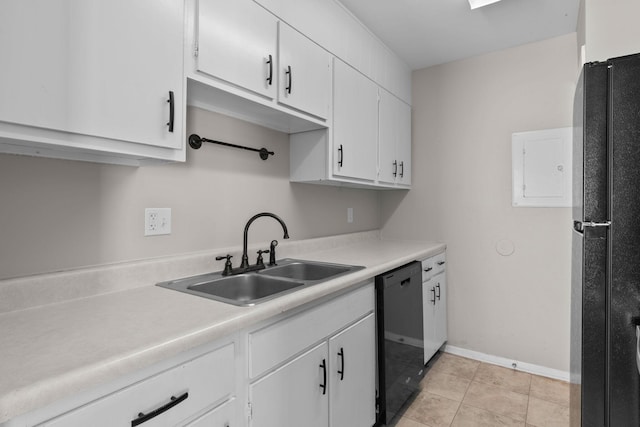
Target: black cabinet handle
[341, 152]
[290, 74]
[341, 371]
[438, 288]
[142, 417]
[433, 291]
[323, 386]
[440, 262]
[428, 269]
[401, 169]
[270, 76]
[395, 168]
[171, 110]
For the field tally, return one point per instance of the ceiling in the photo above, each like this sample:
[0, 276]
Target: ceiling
[430, 32]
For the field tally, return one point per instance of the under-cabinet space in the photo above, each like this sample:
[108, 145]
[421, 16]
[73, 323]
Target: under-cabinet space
[89, 82]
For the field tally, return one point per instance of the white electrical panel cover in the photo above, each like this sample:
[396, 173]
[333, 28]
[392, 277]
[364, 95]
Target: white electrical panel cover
[542, 168]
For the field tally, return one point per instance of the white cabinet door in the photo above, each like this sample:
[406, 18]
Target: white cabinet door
[403, 142]
[95, 68]
[440, 319]
[352, 363]
[355, 124]
[305, 73]
[293, 395]
[429, 302]
[237, 42]
[395, 140]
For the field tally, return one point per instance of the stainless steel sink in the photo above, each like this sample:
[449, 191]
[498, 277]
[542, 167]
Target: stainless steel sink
[306, 270]
[244, 289]
[253, 288]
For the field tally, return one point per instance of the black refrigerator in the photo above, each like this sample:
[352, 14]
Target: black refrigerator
[605, 288]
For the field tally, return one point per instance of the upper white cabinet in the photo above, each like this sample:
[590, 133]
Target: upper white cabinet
[333, 27]
[242, 61]
[355, 124]
[92, 80]
[305, 73]
[238, 43]
[395, 140]
[369, 143]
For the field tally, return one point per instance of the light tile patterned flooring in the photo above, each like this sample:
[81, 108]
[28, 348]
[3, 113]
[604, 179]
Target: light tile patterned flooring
[460, 392]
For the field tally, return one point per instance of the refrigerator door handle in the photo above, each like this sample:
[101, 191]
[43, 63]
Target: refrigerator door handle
[638, 348]
[580, 226]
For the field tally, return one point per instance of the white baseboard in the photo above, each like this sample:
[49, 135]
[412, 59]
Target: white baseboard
[509, 363]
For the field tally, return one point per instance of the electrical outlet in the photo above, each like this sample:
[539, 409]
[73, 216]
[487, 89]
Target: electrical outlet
[349, 215]
[157, 221]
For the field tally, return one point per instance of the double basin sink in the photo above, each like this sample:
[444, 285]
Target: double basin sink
[248, 289]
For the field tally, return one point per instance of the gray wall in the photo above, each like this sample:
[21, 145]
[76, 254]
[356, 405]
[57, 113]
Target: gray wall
[463, 116]
[58, 214]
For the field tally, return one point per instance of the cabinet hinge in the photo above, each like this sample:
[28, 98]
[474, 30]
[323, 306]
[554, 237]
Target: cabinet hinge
[195, 49]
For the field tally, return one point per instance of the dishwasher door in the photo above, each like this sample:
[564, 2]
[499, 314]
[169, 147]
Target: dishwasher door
[400, 338]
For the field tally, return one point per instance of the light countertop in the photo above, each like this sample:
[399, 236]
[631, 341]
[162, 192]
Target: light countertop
[52, 351]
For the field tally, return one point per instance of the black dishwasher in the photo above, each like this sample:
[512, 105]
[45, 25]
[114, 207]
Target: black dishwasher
[400, 338]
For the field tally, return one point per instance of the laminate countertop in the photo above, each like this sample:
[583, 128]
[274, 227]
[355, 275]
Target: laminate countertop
[58, 349]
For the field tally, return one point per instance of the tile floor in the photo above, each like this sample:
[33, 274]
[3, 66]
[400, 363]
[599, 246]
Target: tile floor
[460, 392]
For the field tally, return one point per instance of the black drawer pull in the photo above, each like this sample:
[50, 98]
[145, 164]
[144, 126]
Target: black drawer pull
[440, 262]
[142, 417]
[428, 269]
[341, 152]
[270, 77]
[401, 169]
[171, 102]
[433, 291]
[323, 386]
[290, 74]
[341, 371]
[438, 294]
[395, 168]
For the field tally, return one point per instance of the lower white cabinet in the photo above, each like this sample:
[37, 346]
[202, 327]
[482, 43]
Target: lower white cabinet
[352, 375]
[330, 383]
[434, 302]
[168, 398]
[294, 395]
[313, 368]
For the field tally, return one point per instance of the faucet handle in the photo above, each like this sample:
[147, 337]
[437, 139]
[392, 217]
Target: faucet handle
[272, 248]
[227, 265]
[260, 261]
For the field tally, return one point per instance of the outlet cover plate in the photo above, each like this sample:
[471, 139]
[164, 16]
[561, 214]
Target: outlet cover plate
[157, 221]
